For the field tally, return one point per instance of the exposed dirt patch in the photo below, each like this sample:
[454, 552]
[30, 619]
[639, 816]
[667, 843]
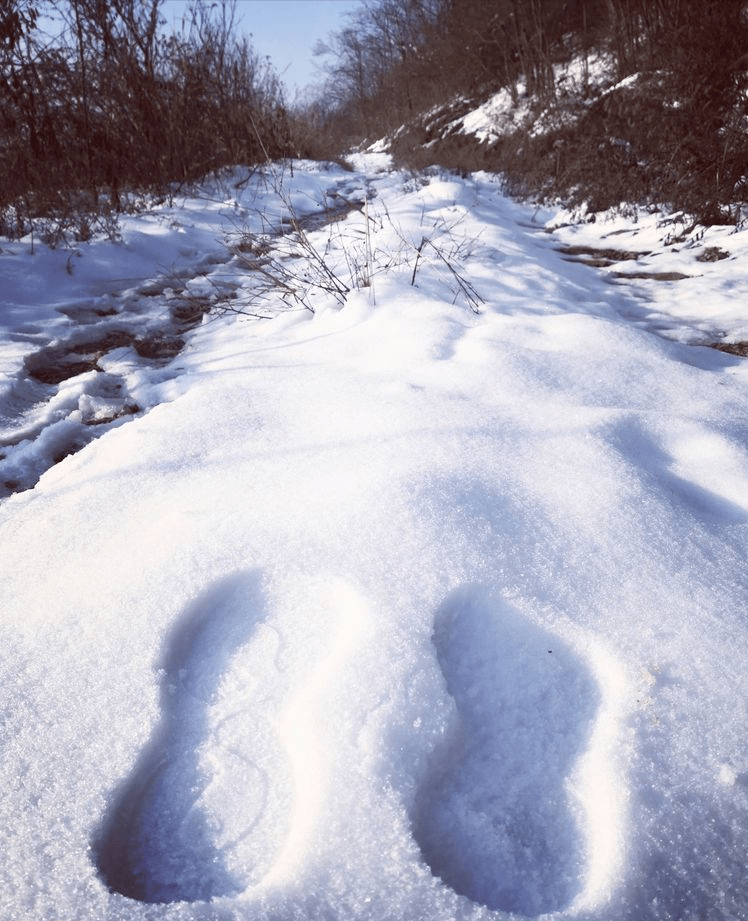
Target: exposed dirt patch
[57, 363]
[600, 258]
[115, 339]
[712, 254]
[54, 364]
[189, 311]
[654, 276]
[733, 348]
[160, 346]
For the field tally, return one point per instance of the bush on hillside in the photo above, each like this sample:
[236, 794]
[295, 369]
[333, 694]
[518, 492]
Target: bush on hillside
[670, 126]
[111, 104]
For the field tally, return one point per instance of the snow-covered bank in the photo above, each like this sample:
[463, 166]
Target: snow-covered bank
[395, 611]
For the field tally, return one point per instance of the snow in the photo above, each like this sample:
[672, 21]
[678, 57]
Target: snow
[422, 607]
[498, 114]
[506, 112]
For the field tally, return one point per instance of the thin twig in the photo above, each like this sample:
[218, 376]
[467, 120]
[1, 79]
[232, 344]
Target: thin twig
[419, 248]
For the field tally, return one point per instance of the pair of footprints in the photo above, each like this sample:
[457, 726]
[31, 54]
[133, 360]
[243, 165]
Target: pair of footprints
[199, 816]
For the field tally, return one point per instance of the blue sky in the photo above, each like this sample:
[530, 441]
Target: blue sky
[286, 31]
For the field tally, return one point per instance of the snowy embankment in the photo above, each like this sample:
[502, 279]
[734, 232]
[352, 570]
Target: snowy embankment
[395, 610]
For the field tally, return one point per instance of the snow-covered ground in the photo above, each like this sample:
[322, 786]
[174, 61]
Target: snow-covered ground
[429, 606]
[509, 111]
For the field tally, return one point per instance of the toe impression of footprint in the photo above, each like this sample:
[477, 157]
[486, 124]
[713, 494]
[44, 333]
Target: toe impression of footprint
[494, 819]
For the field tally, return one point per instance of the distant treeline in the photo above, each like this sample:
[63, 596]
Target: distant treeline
[109, 102]
[676, 132]
[104, 100]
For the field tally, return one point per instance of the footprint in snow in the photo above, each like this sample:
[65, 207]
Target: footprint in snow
[494, 819]
[197, 817]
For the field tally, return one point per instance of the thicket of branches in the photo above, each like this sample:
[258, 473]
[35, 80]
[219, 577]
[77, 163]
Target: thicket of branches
[110, 102]
[676, 131]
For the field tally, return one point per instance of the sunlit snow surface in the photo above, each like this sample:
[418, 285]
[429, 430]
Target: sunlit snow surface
[394, 611]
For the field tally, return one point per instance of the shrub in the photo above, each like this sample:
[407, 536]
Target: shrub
[112, 103]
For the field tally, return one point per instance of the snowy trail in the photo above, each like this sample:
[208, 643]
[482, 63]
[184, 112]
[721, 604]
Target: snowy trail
[94, 360]
[413, 612]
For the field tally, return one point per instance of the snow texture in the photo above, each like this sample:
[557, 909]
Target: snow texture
[429, 606]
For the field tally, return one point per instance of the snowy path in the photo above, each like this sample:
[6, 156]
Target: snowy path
[395, 611]
[91, 361]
